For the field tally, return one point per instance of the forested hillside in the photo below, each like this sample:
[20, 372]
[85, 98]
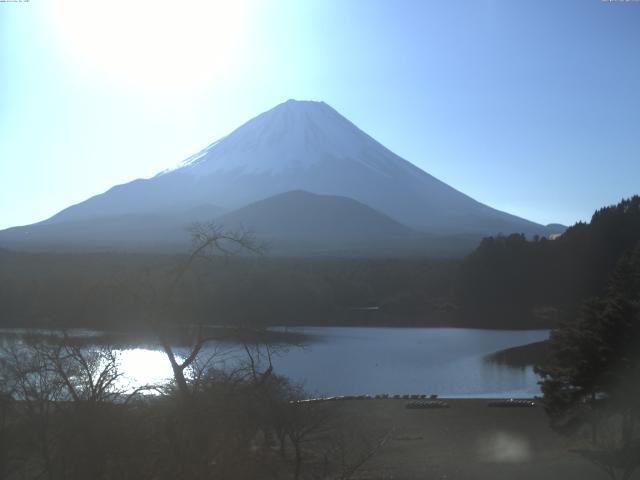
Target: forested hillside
[507, 282]
[540, 280]
[115, 290]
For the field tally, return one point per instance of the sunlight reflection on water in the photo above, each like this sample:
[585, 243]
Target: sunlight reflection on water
[369, 360]
[143, 366]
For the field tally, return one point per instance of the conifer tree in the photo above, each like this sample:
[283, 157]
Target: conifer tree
[595, 379]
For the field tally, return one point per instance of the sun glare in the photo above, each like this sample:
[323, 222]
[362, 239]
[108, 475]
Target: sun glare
[154, 44]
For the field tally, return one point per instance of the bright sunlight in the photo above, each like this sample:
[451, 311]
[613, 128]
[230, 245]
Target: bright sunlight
[153, 44]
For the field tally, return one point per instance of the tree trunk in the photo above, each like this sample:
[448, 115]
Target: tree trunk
[178, 371]
[298, 464]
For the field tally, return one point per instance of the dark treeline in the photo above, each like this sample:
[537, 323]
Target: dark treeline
[540, 281]
[115, 290]
[507, 282]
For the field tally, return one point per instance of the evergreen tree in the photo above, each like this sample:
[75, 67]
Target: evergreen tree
[595, 379]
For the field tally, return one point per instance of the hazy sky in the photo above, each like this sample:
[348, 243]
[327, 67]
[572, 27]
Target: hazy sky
[532, 107]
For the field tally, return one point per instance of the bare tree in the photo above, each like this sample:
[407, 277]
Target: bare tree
[208, 241]
[65, 398]
[6, 413]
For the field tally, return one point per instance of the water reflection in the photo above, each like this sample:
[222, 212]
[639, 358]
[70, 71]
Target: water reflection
[143, 366]
[363, 360]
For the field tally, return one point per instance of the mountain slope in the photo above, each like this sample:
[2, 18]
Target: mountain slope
[298, 222]
[304, 146]
[294, 223]
[300, 214]
[131, 231]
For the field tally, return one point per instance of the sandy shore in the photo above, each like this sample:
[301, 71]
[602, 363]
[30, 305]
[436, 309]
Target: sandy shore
[469, 440]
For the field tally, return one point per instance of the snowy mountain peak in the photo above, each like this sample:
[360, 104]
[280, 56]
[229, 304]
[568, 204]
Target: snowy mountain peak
[302, 145]
[293, 135]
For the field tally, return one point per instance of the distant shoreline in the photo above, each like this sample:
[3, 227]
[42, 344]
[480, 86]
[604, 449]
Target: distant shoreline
[283, 334]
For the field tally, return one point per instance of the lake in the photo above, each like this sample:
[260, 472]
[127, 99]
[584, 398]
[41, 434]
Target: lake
[444, 361]
[369, 360]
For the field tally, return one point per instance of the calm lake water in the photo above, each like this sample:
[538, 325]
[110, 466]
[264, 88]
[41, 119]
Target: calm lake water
[366, 360]
[445, 361]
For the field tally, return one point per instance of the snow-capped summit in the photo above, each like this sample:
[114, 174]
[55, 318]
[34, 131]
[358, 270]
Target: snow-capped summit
[293, 135]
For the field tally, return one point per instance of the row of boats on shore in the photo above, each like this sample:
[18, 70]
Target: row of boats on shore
[382, 396]
[418, 401]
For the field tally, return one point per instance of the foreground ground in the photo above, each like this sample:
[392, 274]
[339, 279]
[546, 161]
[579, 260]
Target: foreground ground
[469, 440]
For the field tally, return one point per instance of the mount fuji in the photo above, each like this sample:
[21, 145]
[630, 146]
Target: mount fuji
[296, 146]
